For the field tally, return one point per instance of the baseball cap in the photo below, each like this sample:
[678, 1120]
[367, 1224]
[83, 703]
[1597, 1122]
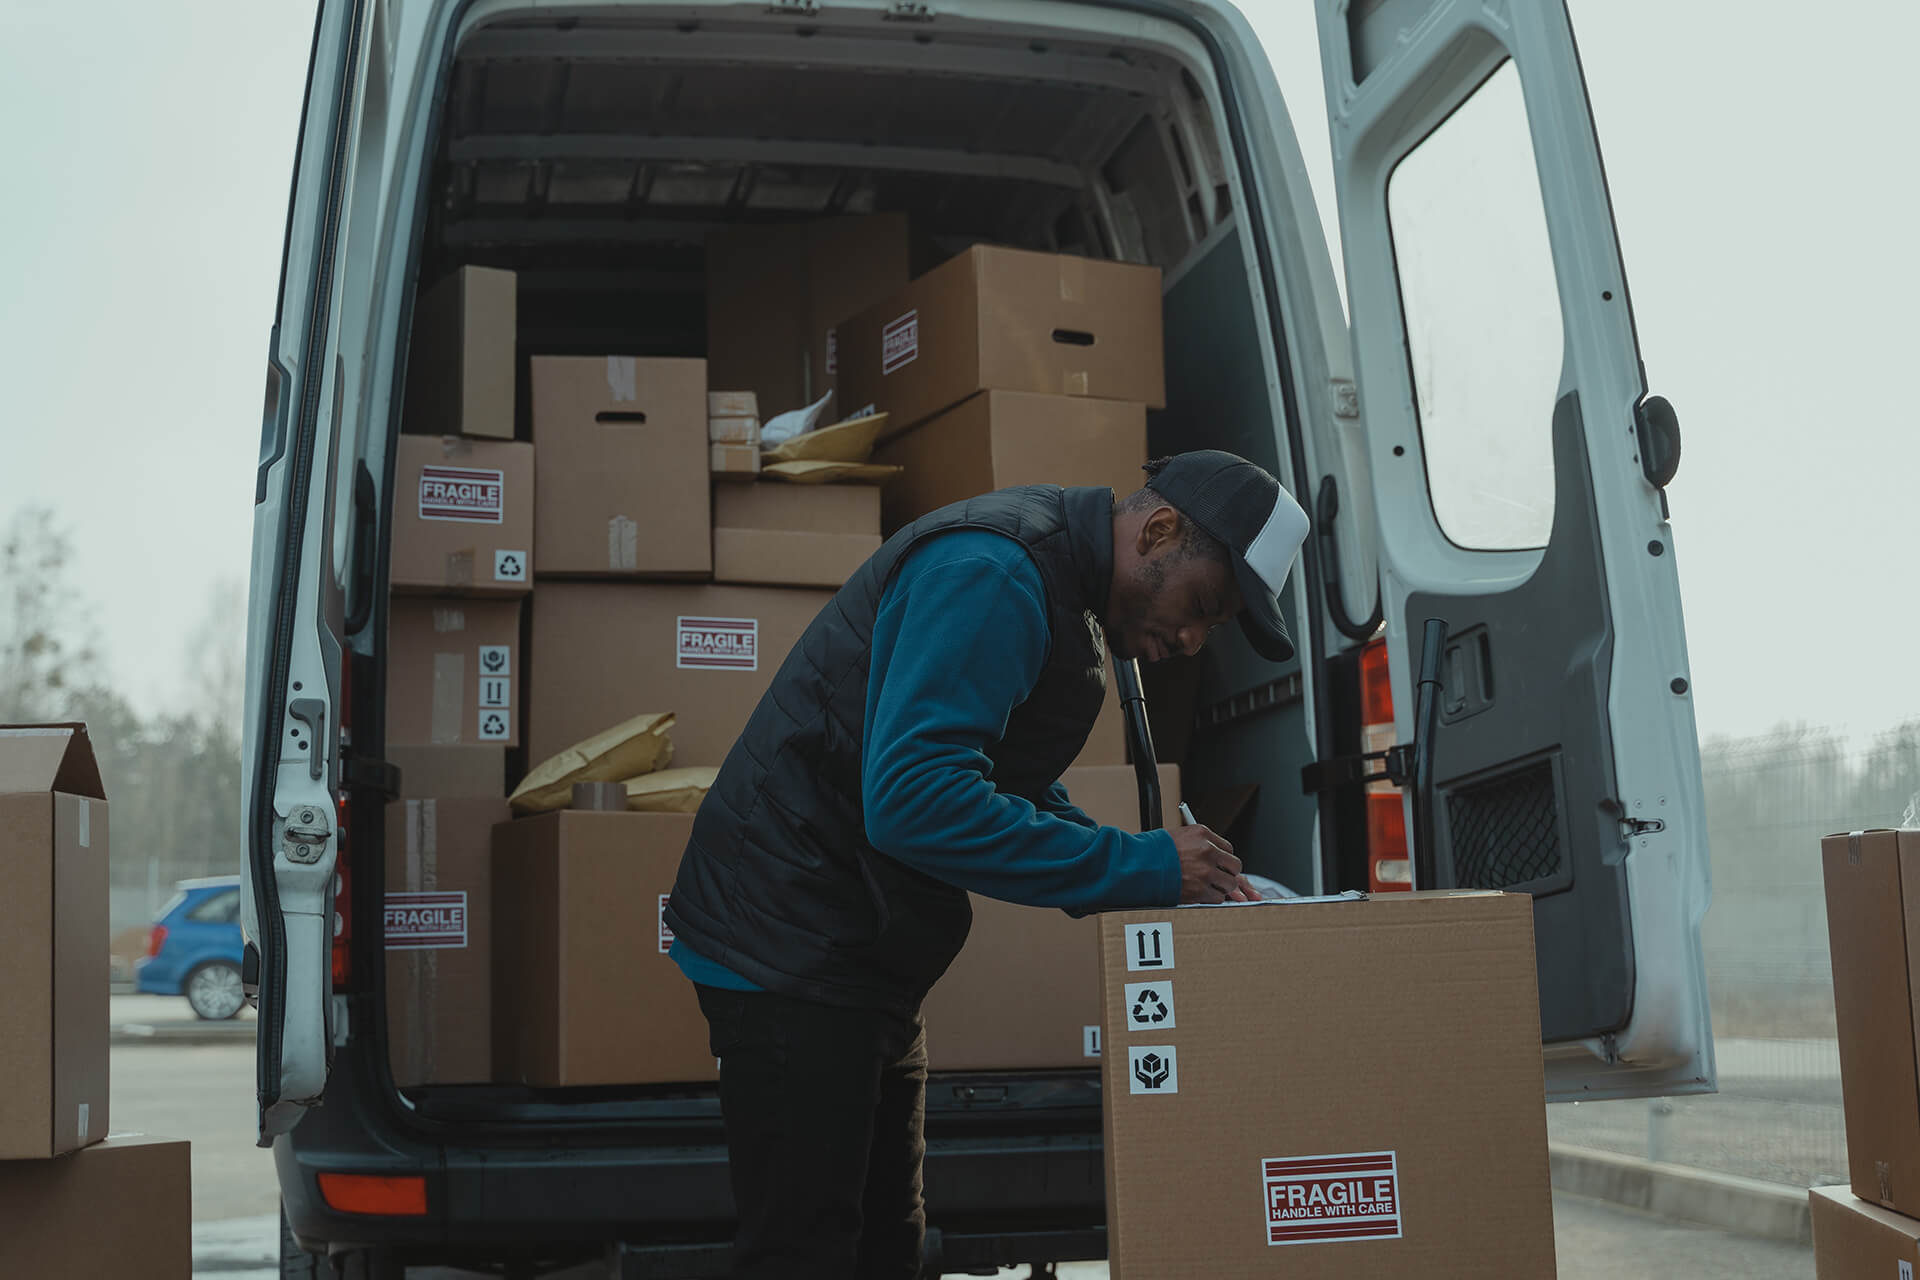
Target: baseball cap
[1258, 522]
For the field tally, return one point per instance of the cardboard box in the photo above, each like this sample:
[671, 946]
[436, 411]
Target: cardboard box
[777, 294]
[1852, 1238]
[1326, 1089]
[733, 404]
[450, 773]
[460, 367]
[737, 431]
[439, 927]
[1006, 320]
[122, 1207]
[54, 956]
[1051, 959]
[1001, 438]
[584, 994]
[462, 517]
[734, 461]
[453, 673]
[603, 652]
[805, 535]
[1873, 924]
[622, 478]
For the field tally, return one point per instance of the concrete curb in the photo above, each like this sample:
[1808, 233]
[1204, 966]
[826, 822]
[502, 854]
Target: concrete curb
[1745, 1206]
[182, 1033]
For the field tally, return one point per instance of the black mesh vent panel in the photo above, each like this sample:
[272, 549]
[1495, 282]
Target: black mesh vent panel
[1506, 830]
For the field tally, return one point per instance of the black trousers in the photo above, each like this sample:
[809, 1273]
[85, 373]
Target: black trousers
[826, 1115]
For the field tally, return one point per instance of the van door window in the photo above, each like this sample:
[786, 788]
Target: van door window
[1482, 314]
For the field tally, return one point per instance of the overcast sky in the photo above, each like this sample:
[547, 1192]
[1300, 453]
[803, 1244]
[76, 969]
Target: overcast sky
[1760, 178]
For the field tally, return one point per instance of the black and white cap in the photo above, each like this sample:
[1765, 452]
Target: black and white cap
[1260, 524]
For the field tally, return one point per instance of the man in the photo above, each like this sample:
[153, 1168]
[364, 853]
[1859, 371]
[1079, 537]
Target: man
[909, 750]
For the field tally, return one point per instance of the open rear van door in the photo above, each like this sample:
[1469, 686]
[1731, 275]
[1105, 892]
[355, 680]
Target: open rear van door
[1519, 470]
[304, 501]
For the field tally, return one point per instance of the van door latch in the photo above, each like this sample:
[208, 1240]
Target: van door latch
[304, 838]
[1641, 826]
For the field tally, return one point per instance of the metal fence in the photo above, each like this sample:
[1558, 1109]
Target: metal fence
[1778, 1114]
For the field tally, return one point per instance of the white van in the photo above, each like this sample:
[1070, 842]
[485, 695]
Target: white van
[1476, 445]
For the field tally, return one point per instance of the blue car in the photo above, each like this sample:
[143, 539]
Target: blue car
[194, 950]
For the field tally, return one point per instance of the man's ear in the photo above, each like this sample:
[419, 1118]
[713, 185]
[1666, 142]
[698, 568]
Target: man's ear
[1160, 528]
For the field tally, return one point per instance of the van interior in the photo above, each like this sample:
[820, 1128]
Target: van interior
[591, 156]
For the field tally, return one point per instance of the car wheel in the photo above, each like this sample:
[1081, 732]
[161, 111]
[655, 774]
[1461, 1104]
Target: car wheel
[214, 992]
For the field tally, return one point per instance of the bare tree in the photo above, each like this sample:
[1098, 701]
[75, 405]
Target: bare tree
[41, 668]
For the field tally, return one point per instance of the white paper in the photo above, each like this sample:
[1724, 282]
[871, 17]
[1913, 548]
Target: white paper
[794, 422]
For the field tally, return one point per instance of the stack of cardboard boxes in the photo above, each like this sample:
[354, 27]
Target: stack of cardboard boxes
[75, 1198]
[1872, 1228]
[632, 541]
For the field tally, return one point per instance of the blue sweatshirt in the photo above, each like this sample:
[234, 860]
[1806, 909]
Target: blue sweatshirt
[959, 641]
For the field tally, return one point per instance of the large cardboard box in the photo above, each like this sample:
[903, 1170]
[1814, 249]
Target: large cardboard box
[121, 1207]
[54, 956]
[801, 535]
[453, 672]
[1873, 926]
[621, 482]
[450, 773]
[603, 652]
[1006, 320]
[1326, 1089]
[460, 367]
[777, 294]
[584, 990]
[439, 925]
[1853, 1239]
[462, 517]
[1024, 993]
[1002, 438]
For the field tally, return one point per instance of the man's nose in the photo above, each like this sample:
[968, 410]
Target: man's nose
[1192, 639]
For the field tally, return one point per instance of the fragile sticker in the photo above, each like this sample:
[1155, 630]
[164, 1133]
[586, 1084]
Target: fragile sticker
[495, 727]
[1150, 946]
[900, 342]
[426, 921]
[1090, 1042]
[496, 691]
[666, 930]
[1906, 1269]
[722, 644]
[496, 660]
[509, 566]
[463, 493]
[1149, 1006]
[1332, 1198]
[1152, 1068]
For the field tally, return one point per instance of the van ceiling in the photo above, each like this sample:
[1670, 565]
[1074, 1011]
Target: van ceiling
[616, 144]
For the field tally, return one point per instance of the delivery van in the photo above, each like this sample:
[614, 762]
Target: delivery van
[1469, 426]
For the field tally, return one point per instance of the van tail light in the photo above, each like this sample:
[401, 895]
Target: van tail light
[342, 866]
[156, 940]
[1388, 866]
[374, 1196]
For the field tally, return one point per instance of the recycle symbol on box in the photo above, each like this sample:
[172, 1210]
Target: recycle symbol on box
[1149, 1010]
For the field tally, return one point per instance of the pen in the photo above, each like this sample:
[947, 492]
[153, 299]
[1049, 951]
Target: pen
[1186, 814]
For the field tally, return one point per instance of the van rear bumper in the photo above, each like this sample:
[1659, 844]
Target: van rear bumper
[996, 1182]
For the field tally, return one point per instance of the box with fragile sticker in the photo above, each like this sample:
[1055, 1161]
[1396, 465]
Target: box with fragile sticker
[621, 484]
[1872, 881]
[438, 927]
[1853, 1238]
[584, 990]
[121, 1207]
[1326, 1088]
[462, 517]
[1006, 320]
[453, 673]
[603, 652]
[53, 944]
[1049, 958]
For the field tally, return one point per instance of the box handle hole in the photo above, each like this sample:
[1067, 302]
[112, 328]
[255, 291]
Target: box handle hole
[1073, 337]
[621, 416]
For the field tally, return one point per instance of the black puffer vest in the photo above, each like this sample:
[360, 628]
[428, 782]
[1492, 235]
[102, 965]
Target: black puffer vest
[779, 882]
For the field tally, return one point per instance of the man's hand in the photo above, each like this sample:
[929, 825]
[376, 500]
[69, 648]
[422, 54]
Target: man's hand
[1208, 870]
